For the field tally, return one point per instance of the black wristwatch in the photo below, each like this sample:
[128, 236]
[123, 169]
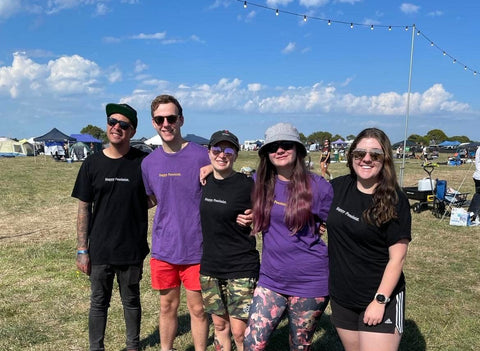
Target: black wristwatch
[382, 299]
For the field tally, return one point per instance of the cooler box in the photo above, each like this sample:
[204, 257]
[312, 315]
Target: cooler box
[426, 184]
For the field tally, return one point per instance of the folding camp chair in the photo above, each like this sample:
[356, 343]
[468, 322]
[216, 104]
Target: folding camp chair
[445, 200]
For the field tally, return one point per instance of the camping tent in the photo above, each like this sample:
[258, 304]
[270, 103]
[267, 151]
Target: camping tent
[196, 139]
[155, 140]
[79, 151]
[12, 148]
[339, 143]
[88, 140]
[449, 144]
[54, 141]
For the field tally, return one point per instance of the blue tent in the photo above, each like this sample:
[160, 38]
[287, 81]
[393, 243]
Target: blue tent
[85, 138]
[448, 143]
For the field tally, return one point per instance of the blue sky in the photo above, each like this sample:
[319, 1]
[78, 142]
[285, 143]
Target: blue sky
[242, 69]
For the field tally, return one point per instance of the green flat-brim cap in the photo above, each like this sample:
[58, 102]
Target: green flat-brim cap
[123, 109]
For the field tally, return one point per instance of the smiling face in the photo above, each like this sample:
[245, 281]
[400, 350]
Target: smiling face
[169, 132]
[283, 158]
[222, 159]
[116, 135]
[367, 168]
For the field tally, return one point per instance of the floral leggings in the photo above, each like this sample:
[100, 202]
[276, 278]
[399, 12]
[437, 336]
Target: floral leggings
[267, 310]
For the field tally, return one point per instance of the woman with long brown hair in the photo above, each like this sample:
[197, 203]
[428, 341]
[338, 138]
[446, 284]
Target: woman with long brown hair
[289, 205]
[369, 228]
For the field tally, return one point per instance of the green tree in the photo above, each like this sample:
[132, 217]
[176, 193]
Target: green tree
[351, 137]
[96, 132]
[436, 136]
[336, 137]
[303, 138]
[418, 139]
[319, 137]
[460, 138]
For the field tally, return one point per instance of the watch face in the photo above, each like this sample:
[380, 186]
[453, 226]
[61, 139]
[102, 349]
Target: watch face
[381, 298]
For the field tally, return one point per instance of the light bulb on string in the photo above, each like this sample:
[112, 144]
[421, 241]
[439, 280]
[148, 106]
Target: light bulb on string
[351, 25]
[389, 27]
[418, 32]
[431, 44]
[465, 68]
[371, 27]
[329, 22]
[454, 60]
[406, 27]
[444, 53]
[304, 18]
[244, 4]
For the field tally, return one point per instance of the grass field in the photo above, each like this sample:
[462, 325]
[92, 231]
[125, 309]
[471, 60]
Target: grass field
[44, 301]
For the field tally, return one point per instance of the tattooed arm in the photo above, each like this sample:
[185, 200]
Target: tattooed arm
[83, 220]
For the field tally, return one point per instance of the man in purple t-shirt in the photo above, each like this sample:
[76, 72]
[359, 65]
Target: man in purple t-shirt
[171, 176]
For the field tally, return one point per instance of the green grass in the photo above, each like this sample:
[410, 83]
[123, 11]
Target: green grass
[44, 301]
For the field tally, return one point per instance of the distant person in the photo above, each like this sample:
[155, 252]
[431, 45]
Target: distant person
[230, 260]
[325, 159]
[476, 174]
[171, 175]
[112, 225]
[425, 154]
[475, 202]
[369, 228]
[290, 204]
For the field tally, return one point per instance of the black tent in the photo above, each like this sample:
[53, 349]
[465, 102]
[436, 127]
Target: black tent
[55, 136]
[400, 143]
[196, 139]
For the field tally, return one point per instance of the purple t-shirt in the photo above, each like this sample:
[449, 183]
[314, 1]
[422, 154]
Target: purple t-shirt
[175, 181]
[296, 265]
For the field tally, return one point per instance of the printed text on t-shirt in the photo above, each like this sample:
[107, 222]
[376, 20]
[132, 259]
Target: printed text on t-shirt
[348, 214]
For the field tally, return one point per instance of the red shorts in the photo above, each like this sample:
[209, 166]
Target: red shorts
[167, 276]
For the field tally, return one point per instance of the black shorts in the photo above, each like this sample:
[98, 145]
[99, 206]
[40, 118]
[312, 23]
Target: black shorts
[352, 319]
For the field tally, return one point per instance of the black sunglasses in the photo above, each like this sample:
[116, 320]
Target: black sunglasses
[170, 119]
[375, 155]
[285, 145]
[113, 121]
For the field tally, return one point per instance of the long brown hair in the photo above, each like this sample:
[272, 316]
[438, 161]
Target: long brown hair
[385, 197]
[298, 210]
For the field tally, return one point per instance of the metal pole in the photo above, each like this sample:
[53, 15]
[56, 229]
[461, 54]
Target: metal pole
[402, 167]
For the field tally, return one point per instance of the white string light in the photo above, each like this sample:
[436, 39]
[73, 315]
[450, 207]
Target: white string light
[352, 24]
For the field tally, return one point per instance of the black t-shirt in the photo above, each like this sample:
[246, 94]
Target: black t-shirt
[358, 252]
[119, 222]
[228, 249]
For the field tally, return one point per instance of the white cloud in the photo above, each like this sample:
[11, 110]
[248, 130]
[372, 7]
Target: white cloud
[276, 3]
[289, 48]
[370, 21]
[409, 8]
[9, 8]
[254, 87]
[140, 66]
[435, 13]
[101, 9]
[63, 76]
[115, 76]
[156, 36]
[73, 74]
[313, 3]
[227, 95]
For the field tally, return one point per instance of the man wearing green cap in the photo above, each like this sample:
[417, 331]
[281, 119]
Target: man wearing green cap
[112, 225]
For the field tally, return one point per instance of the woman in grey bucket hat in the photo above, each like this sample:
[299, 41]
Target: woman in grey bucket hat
[289, 205]
[283, 131]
